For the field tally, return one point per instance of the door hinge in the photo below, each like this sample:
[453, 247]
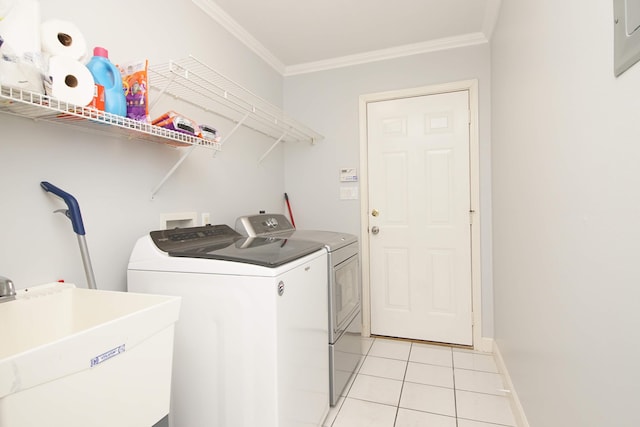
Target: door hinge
[471, 212]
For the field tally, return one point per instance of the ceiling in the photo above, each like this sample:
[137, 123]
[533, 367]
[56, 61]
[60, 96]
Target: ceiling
[298, 36]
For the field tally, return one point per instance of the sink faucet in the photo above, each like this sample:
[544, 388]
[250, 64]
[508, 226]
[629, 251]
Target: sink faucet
[7, 290]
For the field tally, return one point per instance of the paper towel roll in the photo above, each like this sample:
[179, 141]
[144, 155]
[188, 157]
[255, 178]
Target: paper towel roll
[5, 7]
[20, 29]
[69, 80]
[21, 64]
[63, 38]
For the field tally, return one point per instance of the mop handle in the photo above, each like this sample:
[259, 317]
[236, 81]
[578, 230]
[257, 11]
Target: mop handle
[73, 213]
[286, 198]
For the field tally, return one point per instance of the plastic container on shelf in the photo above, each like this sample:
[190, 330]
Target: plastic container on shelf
[107, 75]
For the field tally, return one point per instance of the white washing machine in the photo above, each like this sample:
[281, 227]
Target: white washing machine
[250, 344]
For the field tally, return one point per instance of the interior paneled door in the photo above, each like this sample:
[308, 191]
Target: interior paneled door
[419, 220]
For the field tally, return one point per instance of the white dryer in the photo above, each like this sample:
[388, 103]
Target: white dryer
[250, 345]
[344, 291]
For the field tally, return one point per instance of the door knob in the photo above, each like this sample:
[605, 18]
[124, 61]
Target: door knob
[375, 229]
[375, 212]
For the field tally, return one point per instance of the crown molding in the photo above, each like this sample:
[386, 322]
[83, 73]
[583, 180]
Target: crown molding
[236, 30]
[391, 53]
[228, 23]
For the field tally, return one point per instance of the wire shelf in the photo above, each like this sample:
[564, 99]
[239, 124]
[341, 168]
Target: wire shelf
[46, 108]
[194, 82]
[188, 80]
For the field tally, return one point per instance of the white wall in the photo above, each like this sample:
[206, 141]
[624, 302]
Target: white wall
[112, 177]
[566, 150]
[327, 101]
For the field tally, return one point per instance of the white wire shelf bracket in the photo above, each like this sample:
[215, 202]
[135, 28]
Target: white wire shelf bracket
[194, 82]
[172, 170]
[41, 107]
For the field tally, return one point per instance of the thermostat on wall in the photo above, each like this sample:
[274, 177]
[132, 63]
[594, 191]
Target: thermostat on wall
[348, 175]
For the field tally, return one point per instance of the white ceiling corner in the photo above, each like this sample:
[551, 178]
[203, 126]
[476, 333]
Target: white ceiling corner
[228, 23]
[471, 29]
[491, 14]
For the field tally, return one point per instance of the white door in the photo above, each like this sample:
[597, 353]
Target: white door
[419, 218]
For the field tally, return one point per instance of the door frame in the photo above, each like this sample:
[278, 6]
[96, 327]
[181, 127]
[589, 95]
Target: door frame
[474, 215]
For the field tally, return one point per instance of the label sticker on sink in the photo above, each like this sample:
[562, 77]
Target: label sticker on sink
[107, 355]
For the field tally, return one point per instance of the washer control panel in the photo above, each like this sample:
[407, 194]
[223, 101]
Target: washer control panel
[183, 238]
[263, 225]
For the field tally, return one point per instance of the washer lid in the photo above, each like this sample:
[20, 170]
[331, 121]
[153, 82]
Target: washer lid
[223, 243]
[265, 251]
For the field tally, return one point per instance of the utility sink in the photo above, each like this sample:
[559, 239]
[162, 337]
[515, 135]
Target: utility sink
[79, 357]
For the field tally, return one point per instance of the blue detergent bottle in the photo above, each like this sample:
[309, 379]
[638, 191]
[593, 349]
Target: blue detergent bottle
[108, 75]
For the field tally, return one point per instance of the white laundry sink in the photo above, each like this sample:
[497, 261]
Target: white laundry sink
[78, 357]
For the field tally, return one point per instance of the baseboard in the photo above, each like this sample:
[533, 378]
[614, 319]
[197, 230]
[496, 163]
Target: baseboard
[485, 345]
[518, 410]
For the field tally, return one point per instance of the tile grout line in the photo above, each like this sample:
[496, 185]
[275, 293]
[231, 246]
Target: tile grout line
[455, 395]
[406, 368]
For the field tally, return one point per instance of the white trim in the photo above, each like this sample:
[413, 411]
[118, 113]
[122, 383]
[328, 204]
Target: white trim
[479, 342]
[364, 217]
[385, 54]
[236, 30]
[516, 405]
[486, 345]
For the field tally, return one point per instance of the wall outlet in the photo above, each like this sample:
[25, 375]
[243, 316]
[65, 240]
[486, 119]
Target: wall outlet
[349, 193]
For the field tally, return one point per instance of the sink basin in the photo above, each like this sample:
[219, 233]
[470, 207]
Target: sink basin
[79, 357]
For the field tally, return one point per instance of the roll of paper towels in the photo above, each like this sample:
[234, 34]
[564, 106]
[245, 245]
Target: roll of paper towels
[63, 38]
[5, 7]
[69, 80]
[20, 29]
[21, 64]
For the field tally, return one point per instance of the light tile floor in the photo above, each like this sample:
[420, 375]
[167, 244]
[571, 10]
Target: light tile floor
[404, 384]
